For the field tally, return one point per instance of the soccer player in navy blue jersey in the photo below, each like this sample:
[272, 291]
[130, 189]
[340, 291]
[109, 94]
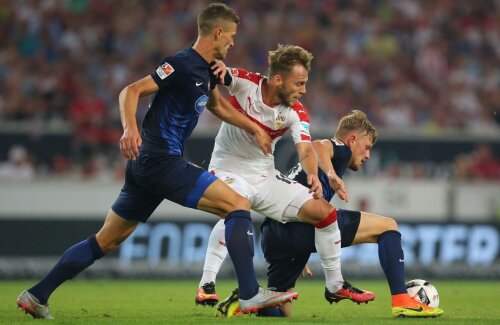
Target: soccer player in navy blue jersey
[182, 85]
[288, 246]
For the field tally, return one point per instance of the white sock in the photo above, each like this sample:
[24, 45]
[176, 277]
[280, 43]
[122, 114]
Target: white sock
[328, 245]
[216, 253]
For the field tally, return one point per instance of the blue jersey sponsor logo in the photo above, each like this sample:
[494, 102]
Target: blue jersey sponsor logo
[201, 103]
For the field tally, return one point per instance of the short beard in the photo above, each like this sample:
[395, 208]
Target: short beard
[353, 167]
[282, 97]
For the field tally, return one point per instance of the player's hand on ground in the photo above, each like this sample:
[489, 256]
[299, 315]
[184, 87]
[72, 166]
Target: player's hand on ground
[130, 143]
[339, 187]
[306, 272]
[264, 140]
[315, 186]
[219, 70]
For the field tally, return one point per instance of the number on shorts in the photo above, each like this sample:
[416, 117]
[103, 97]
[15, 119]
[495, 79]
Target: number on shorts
[283, 178]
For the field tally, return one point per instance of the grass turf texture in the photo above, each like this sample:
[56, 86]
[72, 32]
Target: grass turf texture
[172, 302]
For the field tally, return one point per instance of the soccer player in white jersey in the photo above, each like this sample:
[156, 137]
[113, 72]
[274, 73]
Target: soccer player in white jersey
[272, 102]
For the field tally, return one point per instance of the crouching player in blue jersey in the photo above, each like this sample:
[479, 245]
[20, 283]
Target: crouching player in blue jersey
[287, 247]
[156, 170]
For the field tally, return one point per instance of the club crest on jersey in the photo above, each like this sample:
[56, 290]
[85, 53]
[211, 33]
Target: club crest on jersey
[164, 71]
[279, 120]
[201, 103]
[229, 180]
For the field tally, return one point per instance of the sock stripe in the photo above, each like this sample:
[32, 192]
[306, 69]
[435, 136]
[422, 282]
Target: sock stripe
[332, 217]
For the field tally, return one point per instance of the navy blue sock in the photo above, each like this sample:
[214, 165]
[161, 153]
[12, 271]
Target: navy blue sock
[270, 312]
[77, 258]
[239, 242]
[391, 258]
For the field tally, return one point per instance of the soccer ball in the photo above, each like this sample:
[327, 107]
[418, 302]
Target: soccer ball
[230, 306]
[423, 291]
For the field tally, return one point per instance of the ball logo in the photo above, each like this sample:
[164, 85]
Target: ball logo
[201, 103]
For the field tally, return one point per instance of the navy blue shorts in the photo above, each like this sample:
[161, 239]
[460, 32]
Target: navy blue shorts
[151, 178]
[287, 247]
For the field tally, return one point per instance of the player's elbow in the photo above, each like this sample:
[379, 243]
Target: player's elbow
[129, 90]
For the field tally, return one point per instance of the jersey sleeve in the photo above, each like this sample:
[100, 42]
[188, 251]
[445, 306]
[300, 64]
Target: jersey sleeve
[169, 72]
[240, 79]
[300, 124]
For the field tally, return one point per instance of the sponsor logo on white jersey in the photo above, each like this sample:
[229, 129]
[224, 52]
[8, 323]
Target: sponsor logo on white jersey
[304, 128]
[279, 120]
[229, 180]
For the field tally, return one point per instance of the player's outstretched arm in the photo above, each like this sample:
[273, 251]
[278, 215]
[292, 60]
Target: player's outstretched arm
[221, 108]
[309, 161]
[324, 150]
[131, 141]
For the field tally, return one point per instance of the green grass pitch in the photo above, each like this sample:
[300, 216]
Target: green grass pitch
[172, 302]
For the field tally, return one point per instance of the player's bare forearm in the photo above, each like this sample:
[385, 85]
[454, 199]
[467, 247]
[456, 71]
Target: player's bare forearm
[308, 158]
[324, 156]
[129, 97]
[324, 150]
[131, 141]
[221, 108]
[128, 107]
[309, 161]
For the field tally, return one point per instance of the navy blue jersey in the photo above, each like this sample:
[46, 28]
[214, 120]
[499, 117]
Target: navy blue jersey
[185, 81]
[287, 247]
[340, 161]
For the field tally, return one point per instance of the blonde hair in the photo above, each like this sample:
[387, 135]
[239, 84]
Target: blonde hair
[213, 16]
[358, 122]
[286, 56]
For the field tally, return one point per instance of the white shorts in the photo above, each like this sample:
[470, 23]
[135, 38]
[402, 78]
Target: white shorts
[274, 196]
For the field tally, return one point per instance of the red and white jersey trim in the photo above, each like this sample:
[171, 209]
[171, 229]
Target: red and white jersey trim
[235, 149]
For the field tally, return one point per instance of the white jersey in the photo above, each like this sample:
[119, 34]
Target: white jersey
[235, 149]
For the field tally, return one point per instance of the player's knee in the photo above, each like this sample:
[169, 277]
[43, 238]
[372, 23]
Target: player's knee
[237, 203]
[315, 211]
[324, 211]
[390, 224]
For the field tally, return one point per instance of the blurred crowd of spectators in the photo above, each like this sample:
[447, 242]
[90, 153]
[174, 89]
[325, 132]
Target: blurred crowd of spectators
[425, 66]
